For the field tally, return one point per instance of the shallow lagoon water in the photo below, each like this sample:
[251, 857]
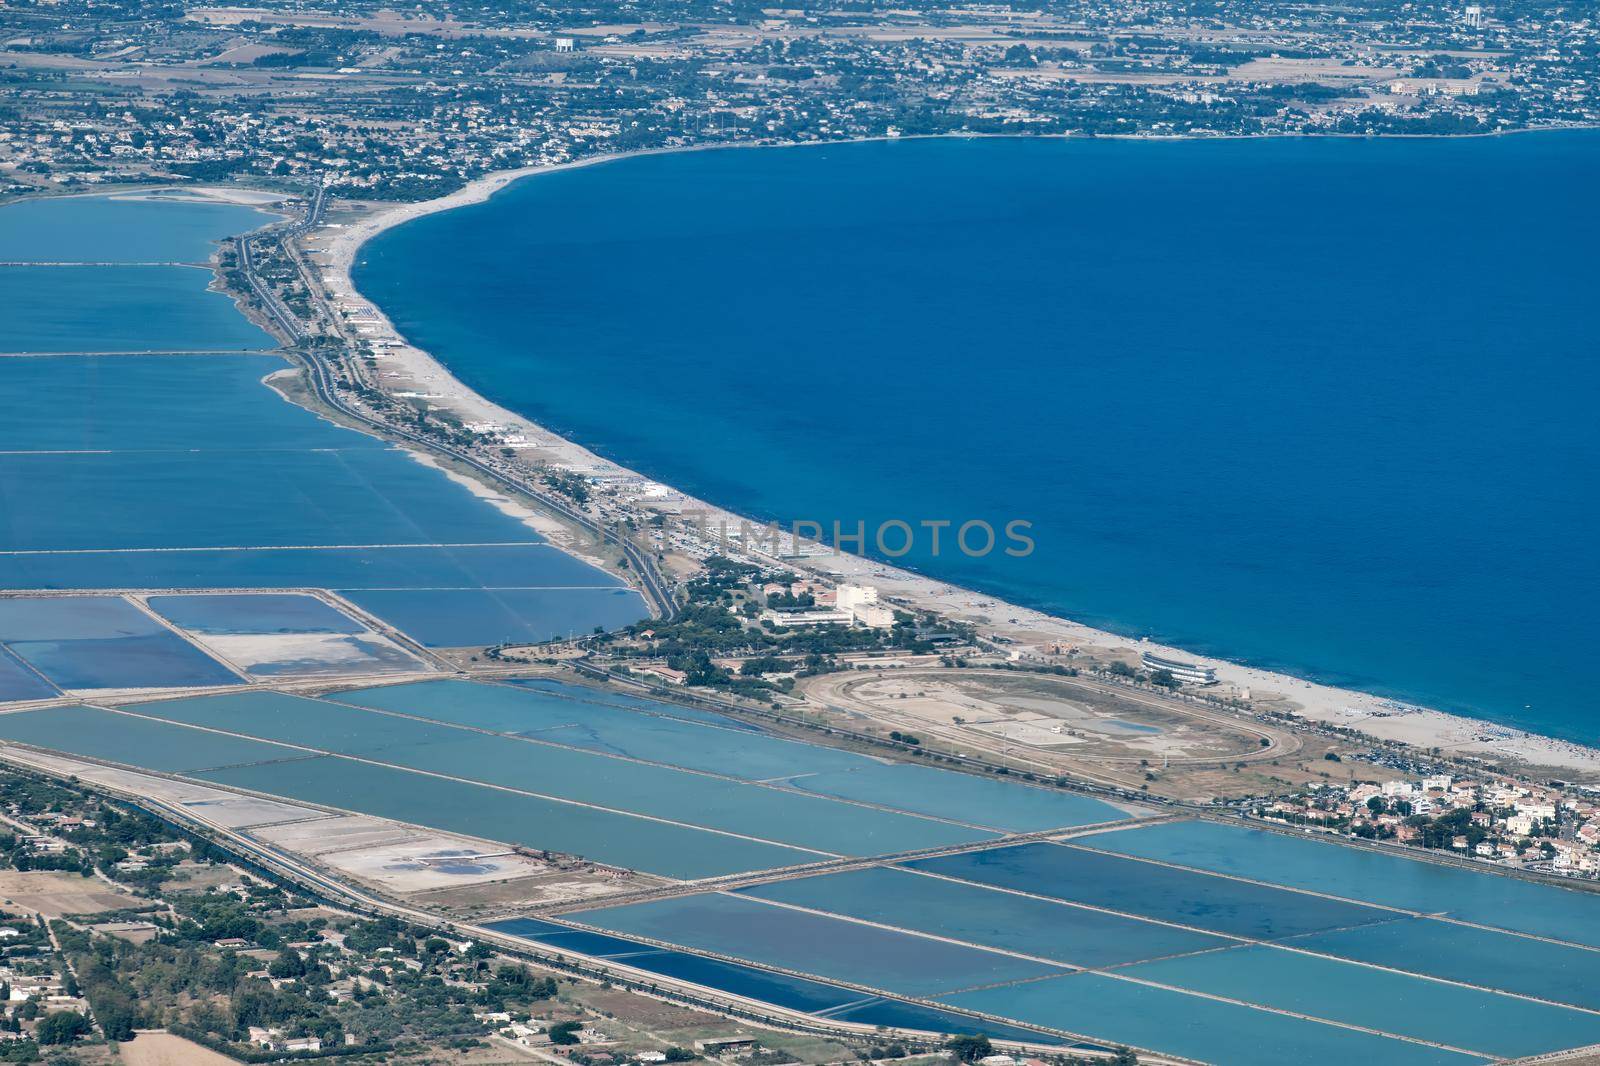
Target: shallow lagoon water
[627, 699]
[948, 794]
[813, 944]
[141, 228]
[565, 773]
[105, 403]
[794, 993]
[73, 618]
[403, 567]
[18, 682]
[230, 466]
[700, 744]
[1071, 935]
[120, 309]
[581, 717]
[1356, 873]
[240, 499]
[154, 660]
[253, 613]
[87, 642]
[1144, 889]
[119, 738]
[1466, 1018]
[1474, 956]
[444, 618]
[476, 810]
[616, 722]
[1181, 1024]
[279, 496]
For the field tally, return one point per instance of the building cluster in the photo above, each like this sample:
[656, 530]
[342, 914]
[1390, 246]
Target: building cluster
[385, 106]
[1491, 819]
[35, 981]
[809, 603]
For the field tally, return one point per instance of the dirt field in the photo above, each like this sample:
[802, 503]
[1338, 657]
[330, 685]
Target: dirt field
[640, 1021]
[1049, 716]
[164, 1049]
[1073, 726]
[55, 894]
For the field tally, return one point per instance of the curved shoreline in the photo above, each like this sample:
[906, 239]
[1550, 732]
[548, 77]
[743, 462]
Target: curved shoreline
[1376, 715]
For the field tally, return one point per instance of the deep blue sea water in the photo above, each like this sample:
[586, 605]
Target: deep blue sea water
[1323, 405]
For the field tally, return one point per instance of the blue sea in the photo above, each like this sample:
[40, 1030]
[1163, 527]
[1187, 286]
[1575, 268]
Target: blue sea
[1325, 406]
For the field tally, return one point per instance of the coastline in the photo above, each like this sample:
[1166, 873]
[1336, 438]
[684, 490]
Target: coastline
[334, 252]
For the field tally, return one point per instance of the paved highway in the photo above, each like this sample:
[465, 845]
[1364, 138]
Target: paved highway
[323, 379]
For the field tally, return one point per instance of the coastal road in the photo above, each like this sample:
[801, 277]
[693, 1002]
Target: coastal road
[653, 585]
[323, 380]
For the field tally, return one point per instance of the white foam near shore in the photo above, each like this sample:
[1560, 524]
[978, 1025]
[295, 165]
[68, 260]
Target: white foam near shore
[408, 368]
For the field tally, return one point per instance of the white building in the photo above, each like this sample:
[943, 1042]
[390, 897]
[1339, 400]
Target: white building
[861, 603]
[1473, 16]
[849, 596]
[1185, 672]
[807, 618]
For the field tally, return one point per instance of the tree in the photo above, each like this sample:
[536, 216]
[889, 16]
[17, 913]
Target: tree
[289, 964]
[969, 1048]
[61, 1027]
[565, 1032]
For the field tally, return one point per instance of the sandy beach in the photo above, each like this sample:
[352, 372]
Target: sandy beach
[406, 369]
